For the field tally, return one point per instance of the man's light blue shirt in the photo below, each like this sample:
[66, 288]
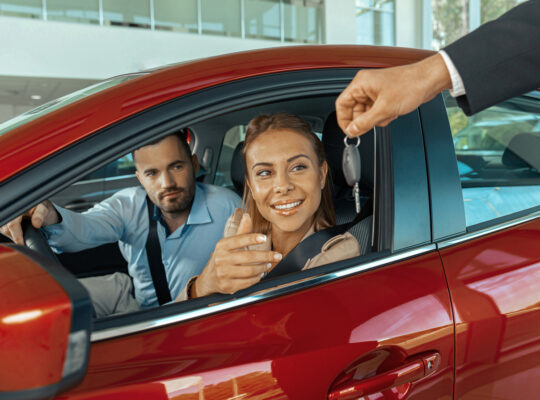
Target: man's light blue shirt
[124, 218]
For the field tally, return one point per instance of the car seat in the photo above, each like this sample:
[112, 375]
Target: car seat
[523, 151]
[237, 169]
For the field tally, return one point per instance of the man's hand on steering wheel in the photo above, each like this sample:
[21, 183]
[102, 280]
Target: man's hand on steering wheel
[41, 215]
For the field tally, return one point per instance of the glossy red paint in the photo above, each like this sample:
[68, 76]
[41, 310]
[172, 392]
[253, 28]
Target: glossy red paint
[356, 385]
[381, 318]
[40, 138]
[35, 320]
[494, 283]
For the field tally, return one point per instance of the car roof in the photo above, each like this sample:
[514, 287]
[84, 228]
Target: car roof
[39, 138]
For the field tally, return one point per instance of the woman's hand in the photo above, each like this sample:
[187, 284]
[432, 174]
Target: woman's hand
[231, 266]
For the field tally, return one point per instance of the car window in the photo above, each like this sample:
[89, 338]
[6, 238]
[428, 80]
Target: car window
[98, 185]
[497, 152]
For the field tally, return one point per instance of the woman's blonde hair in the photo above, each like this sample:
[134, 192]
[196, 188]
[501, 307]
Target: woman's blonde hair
[324, 216]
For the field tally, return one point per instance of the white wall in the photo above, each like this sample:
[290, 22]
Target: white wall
[340, 21]
[36, 48]
[408, 17]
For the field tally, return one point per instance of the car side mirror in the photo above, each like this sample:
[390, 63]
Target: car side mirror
[45, 326]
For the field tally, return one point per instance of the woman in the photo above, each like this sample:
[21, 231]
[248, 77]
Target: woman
[287, 195]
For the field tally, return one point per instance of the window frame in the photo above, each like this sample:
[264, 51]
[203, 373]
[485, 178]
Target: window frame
[59, 170]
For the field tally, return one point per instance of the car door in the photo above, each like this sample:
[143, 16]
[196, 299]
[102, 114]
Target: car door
[490, 252]
[379, 325]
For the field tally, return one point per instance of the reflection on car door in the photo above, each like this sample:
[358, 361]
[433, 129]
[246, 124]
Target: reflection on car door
[294, 346]
[495, 287]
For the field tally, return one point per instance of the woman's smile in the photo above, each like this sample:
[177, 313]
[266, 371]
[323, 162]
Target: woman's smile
[286, 208]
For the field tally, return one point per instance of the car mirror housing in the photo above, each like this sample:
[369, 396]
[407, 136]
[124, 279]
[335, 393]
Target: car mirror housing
[45, 326]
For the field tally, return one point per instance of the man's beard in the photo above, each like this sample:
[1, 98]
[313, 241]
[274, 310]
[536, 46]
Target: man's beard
[178, 204]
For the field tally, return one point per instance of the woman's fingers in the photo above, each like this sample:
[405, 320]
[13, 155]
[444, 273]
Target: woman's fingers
[247, 257]
[239, 241]
[245, 225]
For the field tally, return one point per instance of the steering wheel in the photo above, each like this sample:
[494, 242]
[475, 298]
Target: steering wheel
[35, 239]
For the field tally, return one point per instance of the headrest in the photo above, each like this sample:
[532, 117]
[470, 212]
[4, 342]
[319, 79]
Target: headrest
[332, 139]
[237, 168]
[523, 151]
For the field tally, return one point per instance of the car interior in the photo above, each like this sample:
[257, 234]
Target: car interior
[218, 142]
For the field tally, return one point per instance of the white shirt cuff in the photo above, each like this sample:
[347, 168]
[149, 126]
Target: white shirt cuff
[457, 83]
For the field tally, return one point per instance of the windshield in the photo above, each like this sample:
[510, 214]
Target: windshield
[64, 101]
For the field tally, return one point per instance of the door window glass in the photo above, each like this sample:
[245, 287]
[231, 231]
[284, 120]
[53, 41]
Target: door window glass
[98, 185]
[498, 156]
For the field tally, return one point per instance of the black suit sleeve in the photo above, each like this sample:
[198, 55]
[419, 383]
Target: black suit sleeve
[500, 59]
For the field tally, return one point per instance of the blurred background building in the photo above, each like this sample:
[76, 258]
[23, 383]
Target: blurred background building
[50, 48]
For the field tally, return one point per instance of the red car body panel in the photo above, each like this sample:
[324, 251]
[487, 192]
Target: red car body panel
[263, 352]
[47, 135]
[30, 305]
[495, 284]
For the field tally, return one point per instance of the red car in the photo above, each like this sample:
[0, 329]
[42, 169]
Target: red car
[443, 304]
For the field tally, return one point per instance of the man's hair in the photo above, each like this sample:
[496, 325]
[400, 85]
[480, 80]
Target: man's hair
[182, 136]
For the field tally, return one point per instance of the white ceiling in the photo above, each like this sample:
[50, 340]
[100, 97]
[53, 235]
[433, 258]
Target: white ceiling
[16, 93]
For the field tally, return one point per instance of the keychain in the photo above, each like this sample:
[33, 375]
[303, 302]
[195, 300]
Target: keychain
[352, 168]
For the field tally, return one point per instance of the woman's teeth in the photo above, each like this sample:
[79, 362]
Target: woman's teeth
[287, 206]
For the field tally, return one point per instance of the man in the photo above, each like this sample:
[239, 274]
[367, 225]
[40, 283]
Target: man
[497, 61]
[191, 217]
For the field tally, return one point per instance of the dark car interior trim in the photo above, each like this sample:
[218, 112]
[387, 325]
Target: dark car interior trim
[447, 209]
[411, 195]
[275, 288]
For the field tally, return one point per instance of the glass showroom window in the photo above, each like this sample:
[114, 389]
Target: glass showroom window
[85, 11]
[176, 15]
[375, 22]
[303, 21]
[22, 8]
[221, 17]
[263, 19]
[134, 13]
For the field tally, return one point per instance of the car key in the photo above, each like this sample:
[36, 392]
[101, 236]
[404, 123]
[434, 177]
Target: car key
[352, 169]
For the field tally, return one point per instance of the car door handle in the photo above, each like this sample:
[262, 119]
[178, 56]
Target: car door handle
[408, 373]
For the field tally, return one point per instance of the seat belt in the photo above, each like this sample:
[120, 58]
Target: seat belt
[312, 245]
[153, 253]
